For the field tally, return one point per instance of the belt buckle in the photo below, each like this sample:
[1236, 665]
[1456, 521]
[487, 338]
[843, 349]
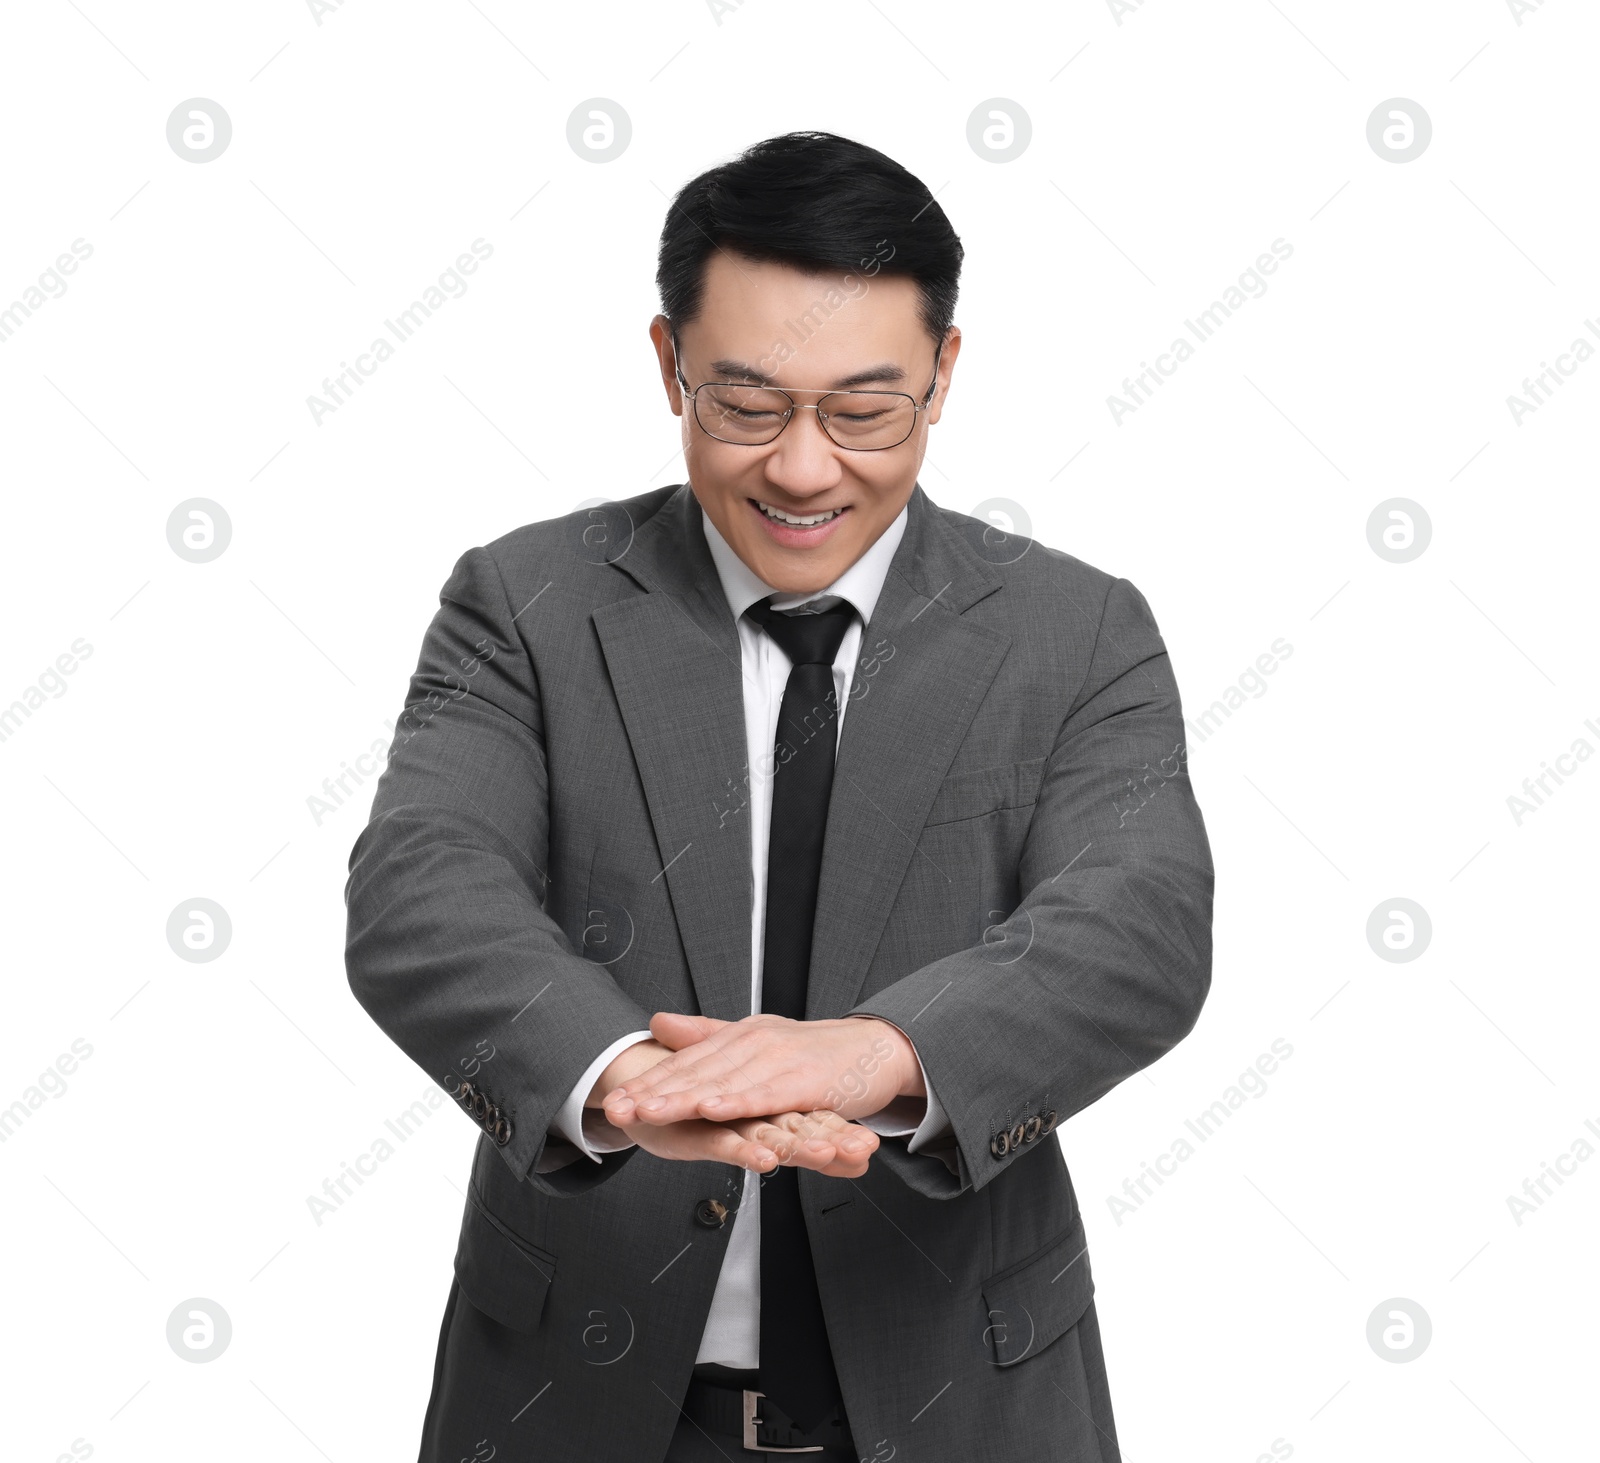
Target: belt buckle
[751, 1421]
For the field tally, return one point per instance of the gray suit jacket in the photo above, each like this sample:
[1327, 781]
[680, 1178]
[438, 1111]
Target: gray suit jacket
[1015, 873]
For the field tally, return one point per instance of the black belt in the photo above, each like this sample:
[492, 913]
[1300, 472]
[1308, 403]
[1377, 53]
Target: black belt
[730, 1403]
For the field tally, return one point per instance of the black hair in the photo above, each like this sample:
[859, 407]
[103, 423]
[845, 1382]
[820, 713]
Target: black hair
[818, 201]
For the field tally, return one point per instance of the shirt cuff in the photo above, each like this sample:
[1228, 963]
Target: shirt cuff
[587, 1129]
[923, 1120]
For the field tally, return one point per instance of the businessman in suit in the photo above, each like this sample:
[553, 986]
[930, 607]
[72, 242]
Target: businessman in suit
[768, 865]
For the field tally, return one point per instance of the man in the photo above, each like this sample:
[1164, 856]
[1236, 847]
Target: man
[769, 864]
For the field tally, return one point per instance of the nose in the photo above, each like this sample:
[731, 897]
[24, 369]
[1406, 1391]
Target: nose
[804, 459]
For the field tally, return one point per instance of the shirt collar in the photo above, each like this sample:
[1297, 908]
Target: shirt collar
[860, 584]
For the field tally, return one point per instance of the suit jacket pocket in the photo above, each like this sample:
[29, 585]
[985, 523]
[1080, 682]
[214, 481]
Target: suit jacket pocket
[502, 1274]
[1037, 1299]
[986, 790]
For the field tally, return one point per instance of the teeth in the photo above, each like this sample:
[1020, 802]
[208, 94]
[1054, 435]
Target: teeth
[798, 522]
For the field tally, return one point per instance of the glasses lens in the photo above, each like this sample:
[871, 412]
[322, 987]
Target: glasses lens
[748, 414]
[866, 420]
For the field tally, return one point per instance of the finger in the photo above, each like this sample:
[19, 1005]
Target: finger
[795, 1149]
[821, 1118]
[842, 1168]
[621, 1099]
[678, 1030]
[779, 1140]
[697, 1140]
[790, 1089]
[725, 1046]
[838, 1128]
[854, 1141]
[671, 1090]
[815, 1133]
[684, 1067]
[734, 1094]
[824, 1159]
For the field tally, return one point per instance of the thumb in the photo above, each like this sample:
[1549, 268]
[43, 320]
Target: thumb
[677, 1031]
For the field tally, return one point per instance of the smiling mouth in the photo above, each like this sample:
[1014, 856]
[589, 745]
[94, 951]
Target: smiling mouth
[798, 520]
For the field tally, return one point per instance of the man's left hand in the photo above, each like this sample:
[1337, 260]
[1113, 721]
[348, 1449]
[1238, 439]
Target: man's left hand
[764, 1064]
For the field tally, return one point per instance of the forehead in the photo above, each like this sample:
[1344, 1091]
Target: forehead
[752, 308]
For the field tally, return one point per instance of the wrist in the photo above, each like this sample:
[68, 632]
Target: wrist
[904, 1067]
[624, 1067]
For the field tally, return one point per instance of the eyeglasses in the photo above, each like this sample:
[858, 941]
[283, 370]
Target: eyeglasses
[751, 416]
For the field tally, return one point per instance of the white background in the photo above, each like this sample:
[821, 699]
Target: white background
[1168, 151]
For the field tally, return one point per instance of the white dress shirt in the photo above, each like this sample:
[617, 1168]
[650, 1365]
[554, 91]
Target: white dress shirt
[733, 1328]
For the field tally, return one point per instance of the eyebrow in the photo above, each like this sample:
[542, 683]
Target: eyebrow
[727, 370]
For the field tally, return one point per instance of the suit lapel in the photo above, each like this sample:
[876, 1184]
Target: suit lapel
[673, 657]
[921, 676]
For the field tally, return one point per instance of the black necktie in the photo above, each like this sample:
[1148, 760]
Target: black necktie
[796, 1365]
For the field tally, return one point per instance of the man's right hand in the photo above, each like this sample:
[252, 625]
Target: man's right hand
[820, 1140]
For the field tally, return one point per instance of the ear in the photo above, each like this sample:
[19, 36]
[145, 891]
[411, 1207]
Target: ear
[677, 1031]
[667, 359]
[947, 365]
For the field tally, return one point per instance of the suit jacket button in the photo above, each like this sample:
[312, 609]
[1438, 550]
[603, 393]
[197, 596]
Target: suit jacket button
[1049, 1121]
[1029, 1133]
[491, 1116]
[711, 1213]
[1016, 1135]
[480, 1103]
[1000, 1144]
[464, 1094]
[501, 1131]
